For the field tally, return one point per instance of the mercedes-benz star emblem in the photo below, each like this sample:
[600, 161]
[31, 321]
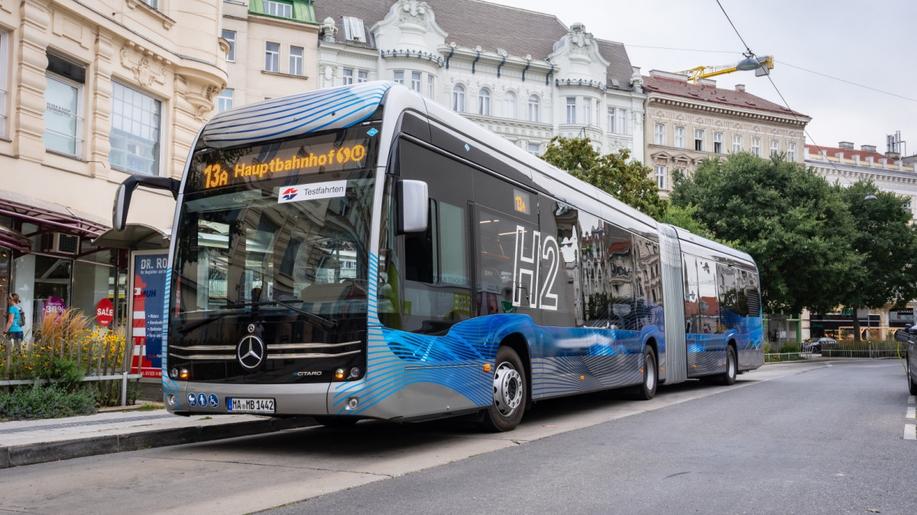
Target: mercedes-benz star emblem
[250, 352]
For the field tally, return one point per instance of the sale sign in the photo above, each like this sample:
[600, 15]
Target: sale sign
[105, 312]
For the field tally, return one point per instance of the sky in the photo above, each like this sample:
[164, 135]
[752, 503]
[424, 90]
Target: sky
[871, 43]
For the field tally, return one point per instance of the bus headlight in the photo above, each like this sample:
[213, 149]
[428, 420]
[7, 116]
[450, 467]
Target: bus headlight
[339, 374]
[184, 374]
[354, 373]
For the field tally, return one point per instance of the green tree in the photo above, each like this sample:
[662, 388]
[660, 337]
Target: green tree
[796, 226]
[623, 178]
[886, 242]
[685, 216]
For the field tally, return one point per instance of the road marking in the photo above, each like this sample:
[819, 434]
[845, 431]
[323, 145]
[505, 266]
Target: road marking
[910, 432]
[910, 412]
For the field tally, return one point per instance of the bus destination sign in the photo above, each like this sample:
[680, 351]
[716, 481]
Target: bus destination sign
[219, 169]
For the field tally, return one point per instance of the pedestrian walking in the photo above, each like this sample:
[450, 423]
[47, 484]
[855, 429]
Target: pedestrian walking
[15, 320]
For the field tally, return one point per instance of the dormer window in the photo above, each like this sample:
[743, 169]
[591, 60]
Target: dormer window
[278, 9]
[354, 30]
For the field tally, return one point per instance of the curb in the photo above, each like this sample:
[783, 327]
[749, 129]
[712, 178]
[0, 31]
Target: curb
[30, 454]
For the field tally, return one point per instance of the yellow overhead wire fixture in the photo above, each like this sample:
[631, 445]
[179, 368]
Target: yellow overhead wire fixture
[761, 65]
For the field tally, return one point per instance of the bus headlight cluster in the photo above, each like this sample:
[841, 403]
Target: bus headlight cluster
[342, 374]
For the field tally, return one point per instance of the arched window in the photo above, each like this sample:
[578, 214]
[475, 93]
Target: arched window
[534, 109]
[484, 102]
[458, 98]
[509, 105]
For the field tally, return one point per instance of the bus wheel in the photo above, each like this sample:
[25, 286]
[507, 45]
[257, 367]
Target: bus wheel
[729, 376]
[510, 392]
[647, 389]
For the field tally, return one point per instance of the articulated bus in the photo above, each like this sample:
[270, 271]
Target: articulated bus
[362, 252]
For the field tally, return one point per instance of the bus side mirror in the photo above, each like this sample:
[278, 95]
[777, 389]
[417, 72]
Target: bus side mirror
[126, 191]
[413, 206]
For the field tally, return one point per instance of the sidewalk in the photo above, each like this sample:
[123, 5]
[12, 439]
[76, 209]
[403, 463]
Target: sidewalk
[26, 442]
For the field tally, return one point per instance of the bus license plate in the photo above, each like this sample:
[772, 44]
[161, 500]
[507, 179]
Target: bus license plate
[251, 405]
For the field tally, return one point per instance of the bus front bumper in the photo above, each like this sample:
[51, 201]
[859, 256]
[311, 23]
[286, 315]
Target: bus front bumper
[187, 398]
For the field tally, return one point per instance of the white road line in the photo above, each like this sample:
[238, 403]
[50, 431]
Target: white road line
[910, 400]
[910, 412]
[910, 432]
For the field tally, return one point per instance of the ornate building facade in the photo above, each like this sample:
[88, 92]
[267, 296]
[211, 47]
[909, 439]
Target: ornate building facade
[90, 94]
[522, 74]
[686, 123]
[272, 50]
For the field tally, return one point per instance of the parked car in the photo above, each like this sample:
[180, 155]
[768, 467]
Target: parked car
[816, 345]
[909, 337]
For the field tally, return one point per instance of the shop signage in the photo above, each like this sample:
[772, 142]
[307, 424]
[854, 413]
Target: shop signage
[148, 312]
[105, 313]
[54, 305]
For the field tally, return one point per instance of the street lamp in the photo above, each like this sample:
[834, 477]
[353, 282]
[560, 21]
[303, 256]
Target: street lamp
[869, 197]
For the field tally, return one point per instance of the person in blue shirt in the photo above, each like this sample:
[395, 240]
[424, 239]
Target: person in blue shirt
[14, 319]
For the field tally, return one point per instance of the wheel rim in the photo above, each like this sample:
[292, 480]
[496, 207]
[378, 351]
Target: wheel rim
[650, 374]
[732, 365]
[508, 389]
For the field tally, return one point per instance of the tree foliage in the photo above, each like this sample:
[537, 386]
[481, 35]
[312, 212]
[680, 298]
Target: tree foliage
[886, 241]
[796, 226]
[623, 178]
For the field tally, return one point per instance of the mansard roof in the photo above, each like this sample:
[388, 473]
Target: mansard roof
[706, 91]
[472, 23]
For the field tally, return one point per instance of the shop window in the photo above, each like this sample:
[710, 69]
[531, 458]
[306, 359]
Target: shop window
[135, 131]
[64, 106]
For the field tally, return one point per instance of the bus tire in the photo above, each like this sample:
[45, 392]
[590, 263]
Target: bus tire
[647, 388]
[509, 392]
[729, 376]
[911, 385]
[332, 421]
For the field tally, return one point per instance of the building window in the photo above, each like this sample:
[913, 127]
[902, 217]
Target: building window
[791, 151]
[135, 131]
[611, 120]
[224, 100]
[509, 105]
[756, 146]
[398, 76]
[353, 29]
[660, 176]
[534, 109]
[699, 140]
[272, 56]
[484, 102]
[680, 137]
[659, 134]
[621, 122]
[718, 142]
[64, 106]
[431, 85]
[278, 9]
[4, 77]
[230, 37]
[362, 75]
[775, 147]
[347, 76]
[458, 98]
[571, 110]
[152, 3]
[587, 111]
[296, 53]
[736, 143]
[416, 81]
[533, 148]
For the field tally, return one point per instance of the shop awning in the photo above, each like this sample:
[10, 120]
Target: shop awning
[49, 214]
[133, 237]
[15, 240]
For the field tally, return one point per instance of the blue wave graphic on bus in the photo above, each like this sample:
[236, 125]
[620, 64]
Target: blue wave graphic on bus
[335, 108]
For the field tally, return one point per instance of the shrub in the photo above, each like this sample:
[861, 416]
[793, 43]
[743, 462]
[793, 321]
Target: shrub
[46, 401]
[66, 372]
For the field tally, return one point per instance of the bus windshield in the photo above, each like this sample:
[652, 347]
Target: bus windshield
[274, 227]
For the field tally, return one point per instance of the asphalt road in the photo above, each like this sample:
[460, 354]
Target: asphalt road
[798, 438]
[829, 440]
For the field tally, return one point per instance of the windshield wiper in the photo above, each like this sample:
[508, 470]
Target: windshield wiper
[323, 321]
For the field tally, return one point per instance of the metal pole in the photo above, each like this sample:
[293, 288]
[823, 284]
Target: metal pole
[124, 388]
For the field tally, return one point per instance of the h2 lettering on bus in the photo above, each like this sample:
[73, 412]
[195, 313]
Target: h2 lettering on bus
[529, 259]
